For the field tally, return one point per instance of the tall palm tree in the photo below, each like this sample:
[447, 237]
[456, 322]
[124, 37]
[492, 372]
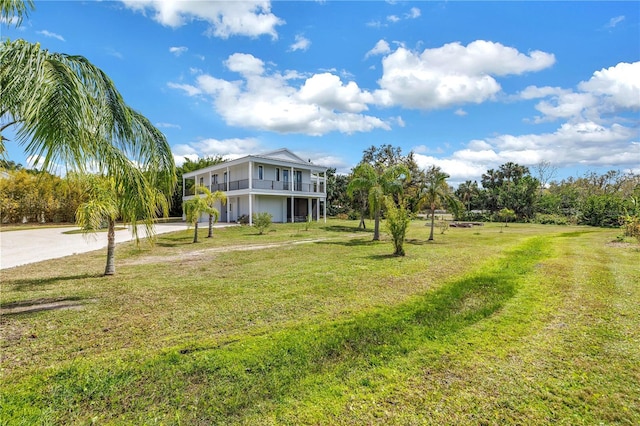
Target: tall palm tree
[436, 193]
[466, 191]
[377, 184]
[15, 9]
[66, 111]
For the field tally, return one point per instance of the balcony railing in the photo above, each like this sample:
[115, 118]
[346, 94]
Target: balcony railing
[274, 185]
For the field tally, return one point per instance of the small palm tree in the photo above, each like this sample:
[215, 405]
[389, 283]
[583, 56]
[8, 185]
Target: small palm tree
[436, 193]
[377, 184]
[134, 199]
[196, 207]
[211, 199]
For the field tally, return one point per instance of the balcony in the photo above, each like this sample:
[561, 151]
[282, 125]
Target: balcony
[269, 185]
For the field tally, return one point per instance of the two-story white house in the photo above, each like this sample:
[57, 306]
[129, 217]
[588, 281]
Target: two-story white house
[278, 182]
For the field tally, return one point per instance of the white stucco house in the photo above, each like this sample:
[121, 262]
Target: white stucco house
[278, 182]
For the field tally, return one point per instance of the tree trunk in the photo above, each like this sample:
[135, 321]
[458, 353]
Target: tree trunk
[362, 223]
[433, 219]
[376, 227]
[110, 269]
[195, 233]
[210, 226]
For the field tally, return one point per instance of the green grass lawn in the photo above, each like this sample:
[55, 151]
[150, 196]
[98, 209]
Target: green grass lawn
[535, 324]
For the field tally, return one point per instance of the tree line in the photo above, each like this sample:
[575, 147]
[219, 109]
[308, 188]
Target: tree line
[528, 195]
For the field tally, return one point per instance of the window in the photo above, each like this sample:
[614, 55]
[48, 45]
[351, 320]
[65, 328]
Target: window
[225, 177]
[215, 179]
[260, 171]
[202, 181]
[277, 174]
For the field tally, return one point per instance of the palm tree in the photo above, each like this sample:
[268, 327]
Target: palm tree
[133, 199]
[466, 191]
[68, 112]
[15, 9]
[436, 193]
[377, 184]
[211, 199]
[195, 207]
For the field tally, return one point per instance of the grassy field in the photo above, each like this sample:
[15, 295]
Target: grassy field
[535, 324]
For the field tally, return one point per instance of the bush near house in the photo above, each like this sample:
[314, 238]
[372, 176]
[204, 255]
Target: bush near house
[261, 221]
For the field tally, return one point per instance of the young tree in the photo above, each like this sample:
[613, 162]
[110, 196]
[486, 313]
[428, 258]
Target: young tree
[436, 193]
[398, 221]
[261, 221]
[506, 215]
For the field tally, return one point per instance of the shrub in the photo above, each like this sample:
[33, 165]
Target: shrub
[550, 219]
[631, 226]
[243, 220]
[261, 221]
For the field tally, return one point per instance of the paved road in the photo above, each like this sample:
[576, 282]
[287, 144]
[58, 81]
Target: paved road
[34, 245]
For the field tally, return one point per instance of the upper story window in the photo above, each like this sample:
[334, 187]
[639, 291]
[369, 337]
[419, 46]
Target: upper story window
[277, 174]
[225, 177]
[260, 172]
[202, 181]
[215, 179]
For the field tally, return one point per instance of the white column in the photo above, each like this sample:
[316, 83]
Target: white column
[309, 209]
[318, 210]
[250, 181]
[293, 207]
[250, 208]
[325, 210]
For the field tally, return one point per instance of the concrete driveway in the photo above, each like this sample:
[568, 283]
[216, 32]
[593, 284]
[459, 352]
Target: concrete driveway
[34, 245]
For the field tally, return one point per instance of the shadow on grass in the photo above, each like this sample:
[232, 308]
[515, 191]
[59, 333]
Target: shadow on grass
[37, 283]
[342, 228]
[228, 381]
[354, 242]
[39, 305]
[384, 256]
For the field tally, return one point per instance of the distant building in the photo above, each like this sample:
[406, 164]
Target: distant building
[277, 182]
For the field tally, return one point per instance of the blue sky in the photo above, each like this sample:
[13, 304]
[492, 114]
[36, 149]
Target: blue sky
[467, 86]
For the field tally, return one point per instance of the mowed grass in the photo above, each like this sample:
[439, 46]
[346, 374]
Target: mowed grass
[535, 324]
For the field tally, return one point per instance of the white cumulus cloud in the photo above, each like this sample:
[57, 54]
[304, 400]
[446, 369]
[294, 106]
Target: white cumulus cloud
[261, 99]
[452, 74]
[609, 91]
[251, 18]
